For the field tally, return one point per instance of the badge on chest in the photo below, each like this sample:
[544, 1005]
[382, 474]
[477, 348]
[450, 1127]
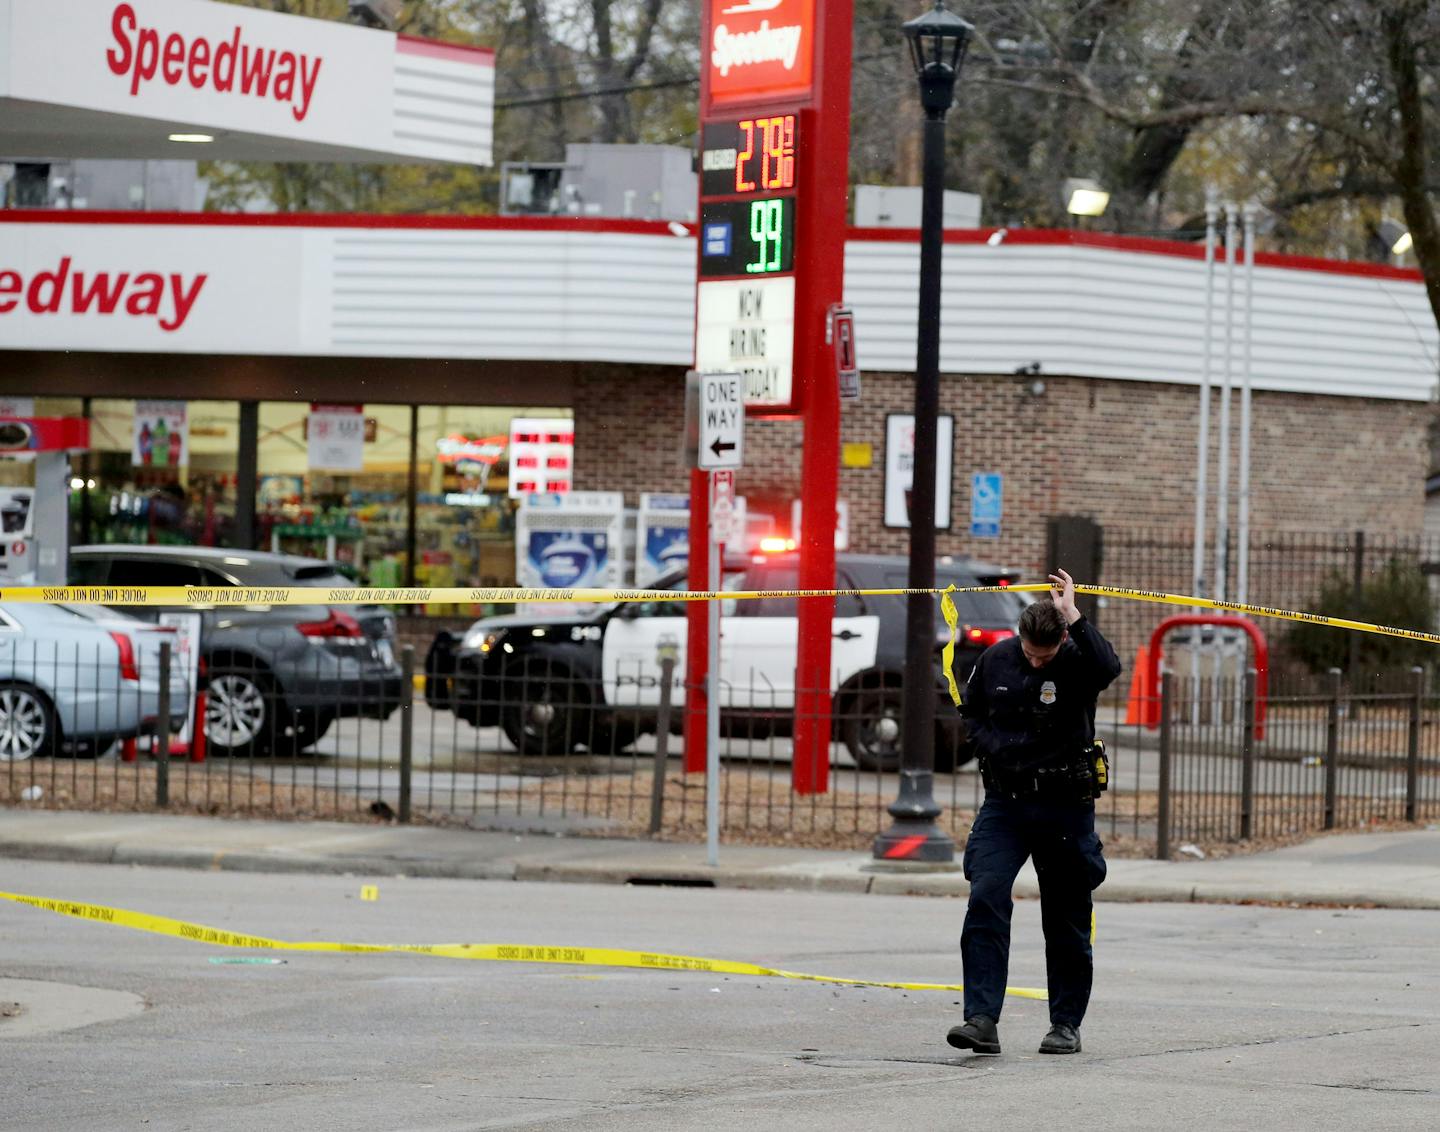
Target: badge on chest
[1047, 692]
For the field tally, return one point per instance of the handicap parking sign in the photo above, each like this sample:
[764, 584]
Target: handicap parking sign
[986, 496]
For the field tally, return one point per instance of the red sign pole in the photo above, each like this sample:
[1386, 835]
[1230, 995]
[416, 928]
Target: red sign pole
[820, 280]
[775, 128]
[697, 637]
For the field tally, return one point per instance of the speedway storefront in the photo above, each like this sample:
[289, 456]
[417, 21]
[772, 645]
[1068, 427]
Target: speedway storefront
[247, 381]
[382, 390]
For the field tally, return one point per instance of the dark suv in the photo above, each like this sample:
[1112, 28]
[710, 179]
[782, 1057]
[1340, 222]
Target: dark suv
[277, 676]
[554, 683]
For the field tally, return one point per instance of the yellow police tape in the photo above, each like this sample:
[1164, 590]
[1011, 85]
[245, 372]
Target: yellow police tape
[492, 952]
[201, 597]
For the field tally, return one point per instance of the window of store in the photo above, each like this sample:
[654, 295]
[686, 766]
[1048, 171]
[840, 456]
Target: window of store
[333, 482]
[465, 515]
[159, 472]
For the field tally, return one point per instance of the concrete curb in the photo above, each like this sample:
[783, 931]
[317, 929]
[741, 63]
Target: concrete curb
[843, 878]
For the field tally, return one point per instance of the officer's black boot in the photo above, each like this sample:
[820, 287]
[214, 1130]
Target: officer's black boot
[1062, 1038]
[978, 1033]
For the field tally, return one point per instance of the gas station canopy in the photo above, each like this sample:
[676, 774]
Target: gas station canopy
[145, 78]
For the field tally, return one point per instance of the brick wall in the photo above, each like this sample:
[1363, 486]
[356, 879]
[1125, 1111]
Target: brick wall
[1122, 452]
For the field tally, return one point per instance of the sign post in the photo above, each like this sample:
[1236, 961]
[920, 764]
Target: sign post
[775, 137]
[722, 510]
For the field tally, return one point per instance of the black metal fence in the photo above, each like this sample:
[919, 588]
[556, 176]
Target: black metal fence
[1287, 570]
[1313, 754]
[1201, 762]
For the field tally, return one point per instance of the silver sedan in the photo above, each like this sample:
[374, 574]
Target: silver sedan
[78, 678]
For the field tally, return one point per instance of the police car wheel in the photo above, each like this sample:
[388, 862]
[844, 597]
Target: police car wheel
[539, 713]
[871, 726]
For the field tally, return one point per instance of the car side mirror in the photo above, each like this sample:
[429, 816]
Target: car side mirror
[628, 610]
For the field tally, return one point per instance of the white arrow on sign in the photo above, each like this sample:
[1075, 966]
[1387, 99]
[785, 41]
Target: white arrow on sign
[722, 420]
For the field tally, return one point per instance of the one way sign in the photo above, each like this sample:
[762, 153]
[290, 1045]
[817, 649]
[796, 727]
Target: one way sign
[718, 405]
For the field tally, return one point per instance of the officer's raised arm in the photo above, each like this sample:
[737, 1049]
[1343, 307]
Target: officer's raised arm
[1103, 663]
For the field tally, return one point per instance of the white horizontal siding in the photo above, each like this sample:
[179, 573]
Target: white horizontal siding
[566, 296]
[579, 295]
[446, 104]
[1095, 312]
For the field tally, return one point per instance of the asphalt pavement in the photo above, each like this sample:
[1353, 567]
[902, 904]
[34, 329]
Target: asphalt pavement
[1208, 1016]
[1383, 869]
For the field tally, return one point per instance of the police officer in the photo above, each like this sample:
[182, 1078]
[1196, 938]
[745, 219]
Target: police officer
[1030, 703]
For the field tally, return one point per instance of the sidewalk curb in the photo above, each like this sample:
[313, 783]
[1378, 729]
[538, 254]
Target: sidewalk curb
[790, 878]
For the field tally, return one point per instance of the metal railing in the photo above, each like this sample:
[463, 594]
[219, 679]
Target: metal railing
[1330, 756]
[558, 751]
[1287, 570]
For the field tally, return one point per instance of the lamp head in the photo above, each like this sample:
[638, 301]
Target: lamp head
[1084, 197]
[938, 40]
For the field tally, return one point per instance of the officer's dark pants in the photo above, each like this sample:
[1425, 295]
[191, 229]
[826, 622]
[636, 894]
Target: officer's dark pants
[1060, 836]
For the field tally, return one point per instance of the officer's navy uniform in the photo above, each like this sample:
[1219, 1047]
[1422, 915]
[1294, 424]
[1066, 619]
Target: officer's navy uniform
[1033, 727]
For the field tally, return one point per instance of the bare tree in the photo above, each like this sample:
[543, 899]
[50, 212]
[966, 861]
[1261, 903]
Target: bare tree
[1357, 74]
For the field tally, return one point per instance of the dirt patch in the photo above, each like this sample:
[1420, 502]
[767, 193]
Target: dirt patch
[109, 786]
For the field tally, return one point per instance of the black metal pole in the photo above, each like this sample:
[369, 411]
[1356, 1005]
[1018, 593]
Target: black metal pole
[162, 731]
[1162, 812]
[1412, 744]
[407, 728]
[87, 470]
[412, 499]
[1332, 748]
[1247, 761]
[662, 745]
[915, 836]
[247, 467]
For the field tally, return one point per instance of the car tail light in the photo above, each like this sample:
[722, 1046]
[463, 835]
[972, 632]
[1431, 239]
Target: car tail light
[337, 626]
[986, 637]
[128, 671]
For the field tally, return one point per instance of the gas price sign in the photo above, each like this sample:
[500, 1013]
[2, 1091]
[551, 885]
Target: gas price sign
[748, 185]
[748, 156]
[747, 237]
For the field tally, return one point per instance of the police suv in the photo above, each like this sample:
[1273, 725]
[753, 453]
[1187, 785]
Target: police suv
[590, 679]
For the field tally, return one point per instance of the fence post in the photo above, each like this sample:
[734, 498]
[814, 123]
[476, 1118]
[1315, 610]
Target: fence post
[1332, 748]
[1162, 816]
[1357, 594]
[662, 742]
[162, 731]
[407, 727]
[1412, 750]
[1247, 761]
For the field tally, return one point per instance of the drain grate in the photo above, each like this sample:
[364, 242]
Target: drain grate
[672, 882]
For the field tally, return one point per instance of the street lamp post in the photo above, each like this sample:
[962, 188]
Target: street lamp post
[937, 46]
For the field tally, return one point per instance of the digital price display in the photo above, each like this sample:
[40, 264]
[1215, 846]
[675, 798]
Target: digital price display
[747, 237]
[748, 156]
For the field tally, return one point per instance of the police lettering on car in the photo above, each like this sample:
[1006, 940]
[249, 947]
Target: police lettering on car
[1030, 705]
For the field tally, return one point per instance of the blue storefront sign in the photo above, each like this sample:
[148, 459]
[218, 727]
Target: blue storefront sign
[986, 500]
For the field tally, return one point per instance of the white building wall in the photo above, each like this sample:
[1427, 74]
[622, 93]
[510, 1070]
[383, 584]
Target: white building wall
[625, 292]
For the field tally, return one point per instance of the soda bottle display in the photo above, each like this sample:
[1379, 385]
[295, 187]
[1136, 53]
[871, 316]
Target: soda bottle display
[160, 443]
[145, 444]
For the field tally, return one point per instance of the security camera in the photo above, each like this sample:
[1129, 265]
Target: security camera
[377, 13]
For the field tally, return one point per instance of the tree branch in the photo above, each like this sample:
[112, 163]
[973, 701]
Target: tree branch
[1192, 113]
